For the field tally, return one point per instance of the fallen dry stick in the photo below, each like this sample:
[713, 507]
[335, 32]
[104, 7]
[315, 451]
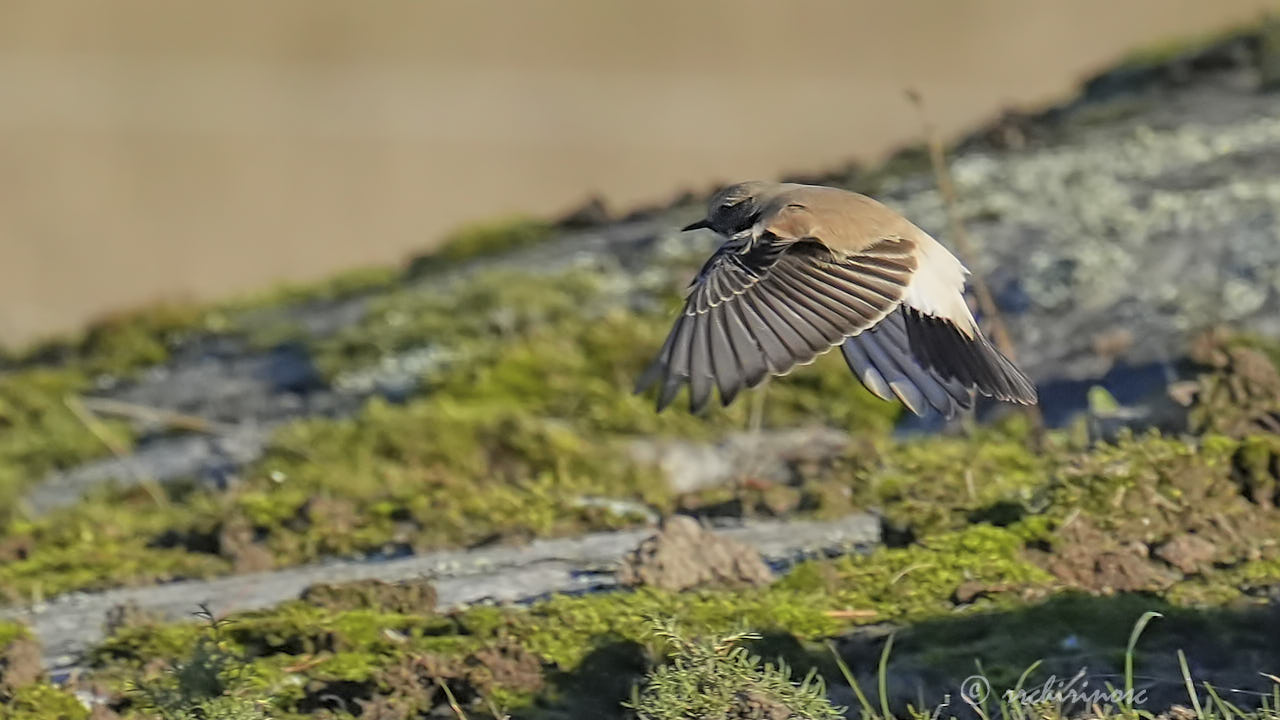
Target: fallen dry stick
[70, 624]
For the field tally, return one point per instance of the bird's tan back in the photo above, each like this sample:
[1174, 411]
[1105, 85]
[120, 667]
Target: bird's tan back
[846, 222]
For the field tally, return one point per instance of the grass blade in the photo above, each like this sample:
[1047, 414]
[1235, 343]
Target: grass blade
[1224, 708]
[1014, 707]
[868, 712]
[1138, 627]
[1191, 687]
[883, 677]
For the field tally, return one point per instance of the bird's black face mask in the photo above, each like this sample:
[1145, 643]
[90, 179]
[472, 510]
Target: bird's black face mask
[730, 218]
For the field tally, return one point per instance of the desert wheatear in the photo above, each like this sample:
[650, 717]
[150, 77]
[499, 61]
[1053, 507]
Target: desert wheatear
[806, 268]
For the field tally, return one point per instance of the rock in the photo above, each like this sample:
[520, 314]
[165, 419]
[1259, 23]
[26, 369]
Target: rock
[765, 456]
[1189, 553]
[684, 555]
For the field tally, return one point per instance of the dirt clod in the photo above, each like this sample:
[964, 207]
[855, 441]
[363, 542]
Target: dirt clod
[684, 555]
[758, 706]
[413, 596]
[1239, 393]
[411, 688]
[20, 665]
[236, 541]
[1086, 557]
[1189, 553]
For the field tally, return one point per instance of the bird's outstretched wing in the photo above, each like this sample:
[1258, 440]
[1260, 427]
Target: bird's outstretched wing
[762, 312]
[821, 267]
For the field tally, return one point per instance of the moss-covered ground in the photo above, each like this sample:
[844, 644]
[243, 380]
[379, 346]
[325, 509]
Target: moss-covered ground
[1004, 546]
[1006, 555]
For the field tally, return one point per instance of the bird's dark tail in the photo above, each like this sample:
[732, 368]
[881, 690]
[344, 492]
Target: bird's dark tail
[924, 361]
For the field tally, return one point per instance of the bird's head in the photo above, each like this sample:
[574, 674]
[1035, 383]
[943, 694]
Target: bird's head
[735, 208]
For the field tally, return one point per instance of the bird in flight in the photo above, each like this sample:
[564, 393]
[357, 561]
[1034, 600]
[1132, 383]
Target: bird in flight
[806, 268]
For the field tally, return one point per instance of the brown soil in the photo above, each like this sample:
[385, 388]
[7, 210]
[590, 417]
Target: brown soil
[412, 688]
[236, 541]
[20, 665]
[1088, 558]
[754, 706]
[1239, 392]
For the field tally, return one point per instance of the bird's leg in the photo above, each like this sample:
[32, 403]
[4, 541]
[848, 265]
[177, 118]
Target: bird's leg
[756, 419]
[751, 463]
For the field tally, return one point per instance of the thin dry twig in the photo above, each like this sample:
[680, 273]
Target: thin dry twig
[908, 570]
[852, 614]
[942, 175]
[94, 424]
[986, 301]
[754, 460]
[160, 416]
[453, 702]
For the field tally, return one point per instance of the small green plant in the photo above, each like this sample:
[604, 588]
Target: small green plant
[710, 679]
[209, 684]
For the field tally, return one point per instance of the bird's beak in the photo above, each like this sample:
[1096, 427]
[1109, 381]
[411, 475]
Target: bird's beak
[696, 226]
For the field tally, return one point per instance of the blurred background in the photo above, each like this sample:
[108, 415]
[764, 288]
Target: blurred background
[186, 151]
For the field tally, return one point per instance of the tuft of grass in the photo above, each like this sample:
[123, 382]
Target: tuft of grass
[718, 679]
[210, 683]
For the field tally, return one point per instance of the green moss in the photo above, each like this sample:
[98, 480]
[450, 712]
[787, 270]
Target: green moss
[325, 646]
[943, 483]
[43, 702]
[1142, 488]
[11, 631]
[488, 307]
[483, 239]
[40, 433]
[1149, 486]
[24, 692]
[212, 682]
[122, 343]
